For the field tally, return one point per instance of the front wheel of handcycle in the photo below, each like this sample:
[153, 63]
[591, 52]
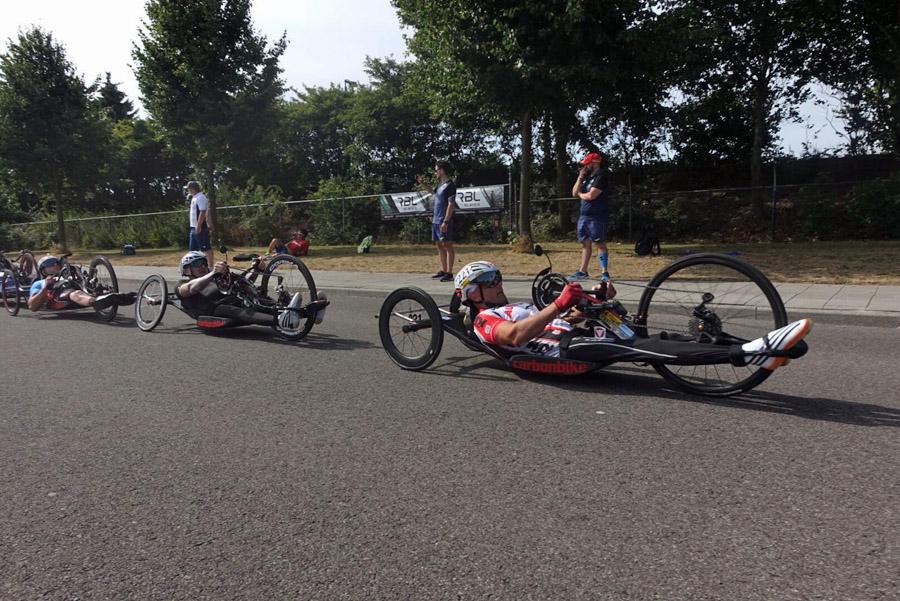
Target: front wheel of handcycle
[711, 299]
[10, 292]
[284, 277]
[102, 280]
[409, 324]
[150, 304]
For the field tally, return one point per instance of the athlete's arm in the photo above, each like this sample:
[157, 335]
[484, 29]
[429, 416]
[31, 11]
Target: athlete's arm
[37, 301]
[197, 284]
[517, 333]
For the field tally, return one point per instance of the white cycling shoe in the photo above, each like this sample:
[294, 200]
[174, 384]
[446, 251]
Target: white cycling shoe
[779, 340]
[320, 315]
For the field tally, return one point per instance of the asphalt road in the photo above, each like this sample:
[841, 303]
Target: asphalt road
[184, 465]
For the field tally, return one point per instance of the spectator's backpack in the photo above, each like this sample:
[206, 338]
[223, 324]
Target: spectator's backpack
[647, 245]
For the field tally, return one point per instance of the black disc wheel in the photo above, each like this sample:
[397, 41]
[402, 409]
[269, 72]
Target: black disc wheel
[10, 292]
[284, 277]
[546, 287]
[150, 304]
[712, 299]
[102, 280]
[409, 324]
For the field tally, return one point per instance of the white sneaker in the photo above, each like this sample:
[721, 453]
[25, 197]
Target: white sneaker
[320, 316]
[778, 340]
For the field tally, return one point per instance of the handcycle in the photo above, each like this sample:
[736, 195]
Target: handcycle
[16, 276]
[97, 279]
[244, 302]
[703, 298]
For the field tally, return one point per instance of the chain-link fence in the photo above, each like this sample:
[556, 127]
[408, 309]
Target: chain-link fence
[818, 211]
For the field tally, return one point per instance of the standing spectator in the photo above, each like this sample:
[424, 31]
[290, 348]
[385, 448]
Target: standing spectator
[592, 188]
[201, 227]
[298, 245]
[442, 220]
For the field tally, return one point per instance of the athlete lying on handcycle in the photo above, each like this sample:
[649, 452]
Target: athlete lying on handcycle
[51, 292]
[204, 295]
[554, 331]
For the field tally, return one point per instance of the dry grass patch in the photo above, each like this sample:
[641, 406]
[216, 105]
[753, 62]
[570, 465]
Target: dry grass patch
[821, 262]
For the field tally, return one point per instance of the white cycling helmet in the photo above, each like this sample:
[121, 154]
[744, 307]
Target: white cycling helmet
[189, 258]
[46, 262]
[473, 274]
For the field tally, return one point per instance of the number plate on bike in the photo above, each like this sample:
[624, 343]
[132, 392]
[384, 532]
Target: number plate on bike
[614, 322]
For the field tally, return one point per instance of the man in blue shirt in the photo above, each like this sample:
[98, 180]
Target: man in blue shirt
[442, 220]
[592, 189]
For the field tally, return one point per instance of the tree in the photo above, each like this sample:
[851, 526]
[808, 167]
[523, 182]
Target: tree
[50, 128]
[115, 102]
[749, 75]
[511, 60]
[209, 80]
[856, 49]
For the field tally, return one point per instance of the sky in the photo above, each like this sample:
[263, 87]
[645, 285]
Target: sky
[328, 41]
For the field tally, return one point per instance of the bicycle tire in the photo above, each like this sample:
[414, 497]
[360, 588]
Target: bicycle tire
[11, 296]
[145, 316]
[398, 353]
[730, 277]
[289, 267]
[103, 284]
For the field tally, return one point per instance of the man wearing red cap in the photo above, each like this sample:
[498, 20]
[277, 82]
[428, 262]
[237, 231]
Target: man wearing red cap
[592, 188]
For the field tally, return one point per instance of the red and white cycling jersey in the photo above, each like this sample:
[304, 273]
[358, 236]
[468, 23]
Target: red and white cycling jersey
[546, 344]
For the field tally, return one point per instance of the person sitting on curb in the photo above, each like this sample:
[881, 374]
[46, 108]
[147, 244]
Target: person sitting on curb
[51, 292]
[297, 246]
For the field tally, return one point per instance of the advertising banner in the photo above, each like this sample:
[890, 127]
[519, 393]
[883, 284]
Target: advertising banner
[483, 199]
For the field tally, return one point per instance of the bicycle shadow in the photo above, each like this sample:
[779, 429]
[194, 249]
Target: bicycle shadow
[627, 381]
[445, 367]
[314, 340]
[85, 314]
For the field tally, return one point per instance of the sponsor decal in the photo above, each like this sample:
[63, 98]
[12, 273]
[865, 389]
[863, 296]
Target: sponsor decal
[210, 323]
[554, 366]
[599, 332]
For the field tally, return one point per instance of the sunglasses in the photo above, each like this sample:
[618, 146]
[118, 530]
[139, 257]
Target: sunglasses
[199, 263]
[490, 280]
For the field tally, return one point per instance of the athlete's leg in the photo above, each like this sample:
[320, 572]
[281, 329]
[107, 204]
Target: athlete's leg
[648, 350]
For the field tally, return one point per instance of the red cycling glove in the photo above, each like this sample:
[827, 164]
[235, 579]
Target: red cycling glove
[569, 297]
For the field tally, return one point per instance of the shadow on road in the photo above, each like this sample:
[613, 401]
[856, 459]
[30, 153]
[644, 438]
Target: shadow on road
[634, 381]
[627, 381]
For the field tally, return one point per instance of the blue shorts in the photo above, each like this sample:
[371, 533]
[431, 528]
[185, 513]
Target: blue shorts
[592, 228]
[198, 240]
[281, 249]
[438, 236]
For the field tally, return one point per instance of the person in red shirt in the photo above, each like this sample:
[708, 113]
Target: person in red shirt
[297, 246]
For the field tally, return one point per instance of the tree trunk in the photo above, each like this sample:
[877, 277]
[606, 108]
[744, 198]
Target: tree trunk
[60, 223]
[760, 97]
[210, 169]
[525, 183]
[563, 187]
